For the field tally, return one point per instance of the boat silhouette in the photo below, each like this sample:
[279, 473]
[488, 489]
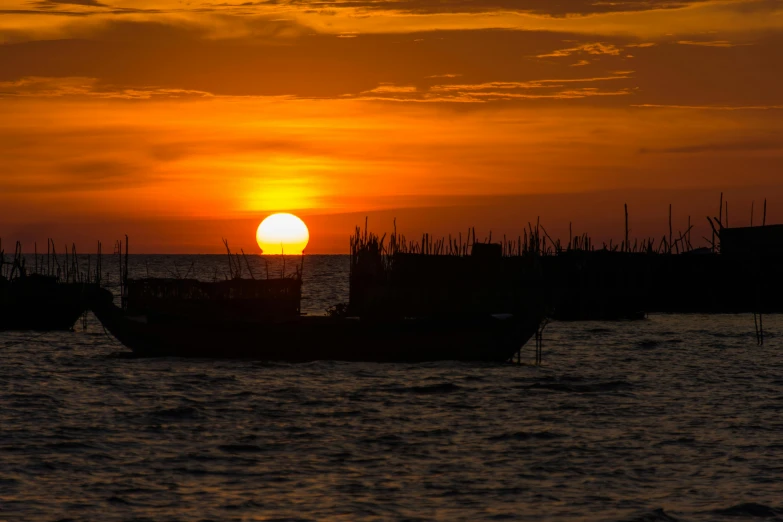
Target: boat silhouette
[41, 303]
[488, 338]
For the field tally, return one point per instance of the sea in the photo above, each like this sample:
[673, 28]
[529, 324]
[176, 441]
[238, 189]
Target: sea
[676, 417]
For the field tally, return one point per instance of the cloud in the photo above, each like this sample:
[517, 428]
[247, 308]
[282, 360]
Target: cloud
[729, 146]
[540, 7]
[361, 8]
[387, 88]
[588, 48]
[96, 171]
[137, 59]
[87, 87]
[645, 19]
[533, 84]
[713, 43]
[545, 89]
[53, 3]
[92, 88]
[150, 60]
[710, 107]
[82, 176]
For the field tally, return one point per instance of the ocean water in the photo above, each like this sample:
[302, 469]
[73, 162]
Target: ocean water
[672, 418]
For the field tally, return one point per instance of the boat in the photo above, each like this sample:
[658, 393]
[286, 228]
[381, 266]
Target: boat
[486, 338]
[41, 303]
[392, 316]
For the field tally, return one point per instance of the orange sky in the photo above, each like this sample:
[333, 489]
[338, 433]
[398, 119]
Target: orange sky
[183, 123]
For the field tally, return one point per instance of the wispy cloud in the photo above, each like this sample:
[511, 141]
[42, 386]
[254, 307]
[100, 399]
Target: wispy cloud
[545, 89]
[711, 107]
[41, 87]
[534, 84]
[48, 4]
[387, 88]
[539, 7]
[588, 48]
[727, 146]
[713, 43]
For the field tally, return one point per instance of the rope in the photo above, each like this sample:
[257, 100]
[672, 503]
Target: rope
[109, 336]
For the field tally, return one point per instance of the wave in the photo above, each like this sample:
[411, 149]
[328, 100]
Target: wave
[523, 435]
[180, 412]
[581, 388]
[749, 509]
[118, 501]
[657, 515]
[431, 389]
[656, 343]
[240, 448]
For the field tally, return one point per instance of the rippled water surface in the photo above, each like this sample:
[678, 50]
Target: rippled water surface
[672, 418]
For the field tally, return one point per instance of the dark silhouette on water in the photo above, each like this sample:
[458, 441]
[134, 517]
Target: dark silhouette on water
[260, 319]
[310, 338]
[50, 297]
[579, 280]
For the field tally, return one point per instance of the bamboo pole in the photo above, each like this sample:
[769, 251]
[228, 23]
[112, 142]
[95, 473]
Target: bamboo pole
[627, 244]
[727, 214]
[125, 274]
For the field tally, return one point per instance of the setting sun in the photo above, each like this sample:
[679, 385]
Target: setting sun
[282, 234]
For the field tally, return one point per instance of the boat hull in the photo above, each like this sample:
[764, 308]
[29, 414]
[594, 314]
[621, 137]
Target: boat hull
[489, 339]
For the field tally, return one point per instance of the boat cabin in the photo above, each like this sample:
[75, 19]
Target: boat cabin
[765, 240]
[231, 300]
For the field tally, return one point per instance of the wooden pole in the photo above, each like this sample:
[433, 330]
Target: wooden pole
[125, 273]
[627, 244]
[570, 235]
[119, 274]
[727, 214]
[98, 266]
[75, 258]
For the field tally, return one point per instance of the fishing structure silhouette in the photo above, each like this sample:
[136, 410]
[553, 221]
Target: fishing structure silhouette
[431, 299]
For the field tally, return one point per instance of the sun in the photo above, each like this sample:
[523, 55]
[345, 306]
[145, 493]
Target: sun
[282, 234]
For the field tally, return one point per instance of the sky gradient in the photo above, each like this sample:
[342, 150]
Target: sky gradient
[182, 122]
